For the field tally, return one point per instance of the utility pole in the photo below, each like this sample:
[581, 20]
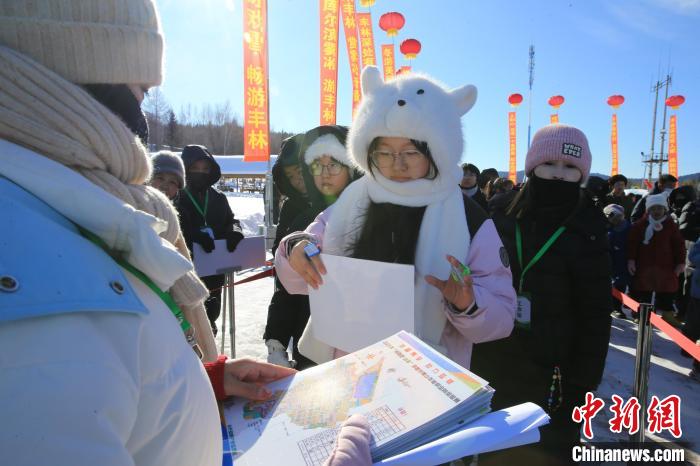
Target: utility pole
[531, 68]
[663, 128]
[652, 158]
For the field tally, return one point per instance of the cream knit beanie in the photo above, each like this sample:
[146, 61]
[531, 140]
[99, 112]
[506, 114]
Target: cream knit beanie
[88, 41]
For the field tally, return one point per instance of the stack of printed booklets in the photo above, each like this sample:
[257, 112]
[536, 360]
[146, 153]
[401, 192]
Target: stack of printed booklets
[410, 394]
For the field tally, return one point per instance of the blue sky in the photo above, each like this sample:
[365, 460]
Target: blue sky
[586, 50]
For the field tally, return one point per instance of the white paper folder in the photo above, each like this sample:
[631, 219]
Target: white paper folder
[249, 254]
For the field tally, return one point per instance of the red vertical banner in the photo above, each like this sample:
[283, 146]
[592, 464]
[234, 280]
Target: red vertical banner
[329, 60]
[512, 172]
[388, 61]
[672, 147]
[613, 145]
[353, 46]
[554, 118]
[364, 25]
[256, 132]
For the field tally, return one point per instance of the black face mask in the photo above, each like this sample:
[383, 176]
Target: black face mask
[554, 192]
[198, 181]
[122, 102]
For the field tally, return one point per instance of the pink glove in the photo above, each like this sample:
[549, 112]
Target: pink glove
[352, 447]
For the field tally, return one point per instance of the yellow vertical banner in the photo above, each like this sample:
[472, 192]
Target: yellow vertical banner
[554, 118]
[512, 172]
[364, 26]
[388, 61]
[256, 132]
[613, 145]
[329, 22]
[672, 147]
[352, 43]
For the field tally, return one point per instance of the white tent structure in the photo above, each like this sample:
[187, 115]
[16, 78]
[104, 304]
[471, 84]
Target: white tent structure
[233, 166]
[238, 175]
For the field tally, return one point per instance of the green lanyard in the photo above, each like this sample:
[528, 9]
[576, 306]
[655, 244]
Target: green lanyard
[165, 296]
[203, 212]
[538, 256]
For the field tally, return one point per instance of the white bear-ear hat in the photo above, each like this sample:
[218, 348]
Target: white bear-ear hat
[412, 106]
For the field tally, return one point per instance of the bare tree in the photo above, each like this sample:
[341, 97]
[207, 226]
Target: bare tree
[156, 108]
[214, 126]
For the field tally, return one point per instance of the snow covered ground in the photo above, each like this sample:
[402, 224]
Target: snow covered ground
[249, 209]
[668, 374]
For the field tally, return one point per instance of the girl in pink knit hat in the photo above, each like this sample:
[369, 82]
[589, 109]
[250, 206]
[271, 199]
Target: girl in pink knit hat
[558, 247]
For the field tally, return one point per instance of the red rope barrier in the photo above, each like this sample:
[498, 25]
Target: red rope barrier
[265, 273]
[673, 333]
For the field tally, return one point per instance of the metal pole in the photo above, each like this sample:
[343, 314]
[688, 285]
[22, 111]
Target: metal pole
[224, 306]
[231, 301]
[641, 366]
[653, 129]
[667, 83]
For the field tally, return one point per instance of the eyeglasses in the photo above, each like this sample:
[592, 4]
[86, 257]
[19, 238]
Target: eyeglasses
[385, 158]
[333, 168]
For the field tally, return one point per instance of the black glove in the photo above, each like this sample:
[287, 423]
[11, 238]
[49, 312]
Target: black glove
[204, 240]
[232, 240]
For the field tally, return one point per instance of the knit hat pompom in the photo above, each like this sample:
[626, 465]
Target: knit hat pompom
[614, 210]
[329, 145]
[657, 199]
[95, 42]
[168, 162]
[416, 107]
[559, 142]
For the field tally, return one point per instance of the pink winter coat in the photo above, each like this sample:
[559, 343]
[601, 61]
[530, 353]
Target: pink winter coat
[493, 290]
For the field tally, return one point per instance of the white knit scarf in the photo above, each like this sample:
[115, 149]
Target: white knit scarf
[443, 231]
[654, 225]
[43, 112]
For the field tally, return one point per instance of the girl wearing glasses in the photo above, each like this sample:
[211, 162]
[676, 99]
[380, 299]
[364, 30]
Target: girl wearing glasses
[326, 171]
[408, 209]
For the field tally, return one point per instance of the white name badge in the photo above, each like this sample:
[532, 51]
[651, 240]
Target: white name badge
[523, 312]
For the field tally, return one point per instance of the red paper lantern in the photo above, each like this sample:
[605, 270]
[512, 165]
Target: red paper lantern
[410, 48]
[616, 100]
[675, 101]
[515, 99]
[556, 101]
[391, 23]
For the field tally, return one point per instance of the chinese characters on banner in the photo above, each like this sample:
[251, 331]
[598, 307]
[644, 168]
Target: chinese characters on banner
[350, 28]
[364, 24]
[672, 147]
[329, 60]
[554, 118]
[512, 174]
[613, 143]
[388, 61]
[661, 415]
[256, 133]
